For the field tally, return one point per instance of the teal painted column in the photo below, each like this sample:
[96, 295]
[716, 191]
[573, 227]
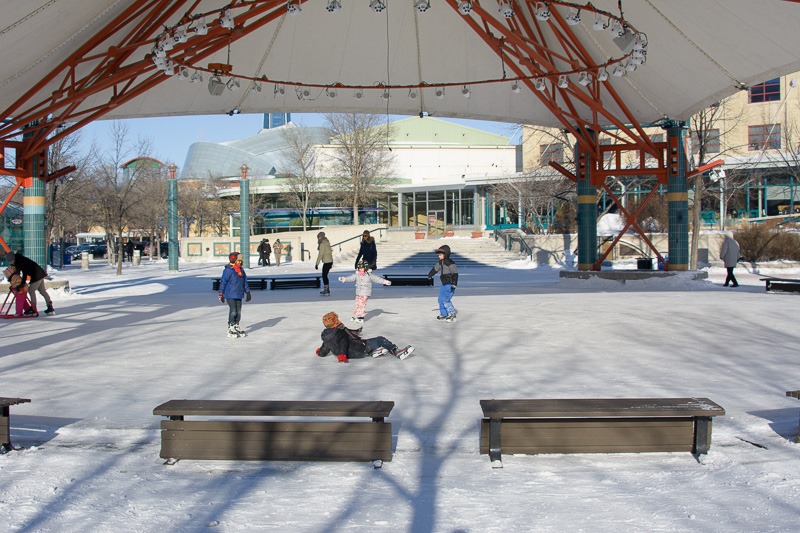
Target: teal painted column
[172, 218]
[587, 210]
[677, 198]
[33, 208]
[244, 222]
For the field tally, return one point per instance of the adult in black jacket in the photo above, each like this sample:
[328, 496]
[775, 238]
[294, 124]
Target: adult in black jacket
[264, 249]
[31, 269]
[368, 251]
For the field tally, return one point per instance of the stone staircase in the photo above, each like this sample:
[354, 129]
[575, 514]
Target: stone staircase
[419, 254]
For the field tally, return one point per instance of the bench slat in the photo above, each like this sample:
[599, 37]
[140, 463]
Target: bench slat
[372, 409]
[793, 393]
[4, 402]
[276, 440]
[608, 407]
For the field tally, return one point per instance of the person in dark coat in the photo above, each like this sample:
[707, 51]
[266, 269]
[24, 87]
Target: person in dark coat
[448, 275]
[264, 249]
[232, 288]
[347, 343]
[368, 252]
[129, 251]
[29, 269]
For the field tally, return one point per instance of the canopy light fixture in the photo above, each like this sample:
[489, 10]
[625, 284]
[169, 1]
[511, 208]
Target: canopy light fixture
[215, 86]
[334, 6]
[563, 81]
[439, 92]
[226, 19]
[465, 92]
[515, 87]
[422, 5]
[412, 94]
[385, 94]
[539, 84]
[542, 11]
[293, 7]
[359, 94]
[618, 70]
[183, 73]
[331, 93]
[465, 7]
[257, 87]
[585, 79]
[506, 9]
[600, 22]
[574, 18]
[279, 89]
[200, 26]
[377, 5]
[197, 77]
[602, 74]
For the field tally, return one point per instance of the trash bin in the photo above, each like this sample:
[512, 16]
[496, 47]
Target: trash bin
[661, 263]
[67, 259]
[644, 263]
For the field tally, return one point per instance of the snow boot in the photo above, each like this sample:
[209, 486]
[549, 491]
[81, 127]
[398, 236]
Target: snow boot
[404, 352]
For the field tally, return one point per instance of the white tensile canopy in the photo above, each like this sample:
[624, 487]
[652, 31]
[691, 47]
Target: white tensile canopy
[697, 52]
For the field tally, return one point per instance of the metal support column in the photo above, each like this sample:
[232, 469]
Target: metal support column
[677, 198]
[172, 218]
[587, 210]
[244, 222]
[33, 208]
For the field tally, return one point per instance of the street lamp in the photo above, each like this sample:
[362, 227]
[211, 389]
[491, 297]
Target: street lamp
[172, 219]
[244, 219]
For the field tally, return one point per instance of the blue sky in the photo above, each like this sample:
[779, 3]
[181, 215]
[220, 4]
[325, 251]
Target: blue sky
[172, 136]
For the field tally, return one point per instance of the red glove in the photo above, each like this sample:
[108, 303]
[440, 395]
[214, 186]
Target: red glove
[342, 358]
[317, 352]
[221, 298]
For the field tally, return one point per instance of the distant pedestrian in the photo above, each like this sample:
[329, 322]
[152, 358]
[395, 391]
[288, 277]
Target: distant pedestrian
[264, 249]
[347, 343]
[232, 288]
[31, 270]
[448, 275]
[368, 251]
[324, 256]
[729, 253]
[129, 251]
[364, 280]
[277, 248]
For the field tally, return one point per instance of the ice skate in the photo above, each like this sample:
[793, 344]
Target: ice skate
[325, 292]
[441, 317]
[404, 352]
[50, 311]
[239, 331]
[379, 352]
[451, 318]
[232, 333]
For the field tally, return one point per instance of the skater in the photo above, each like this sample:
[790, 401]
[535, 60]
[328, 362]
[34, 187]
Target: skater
[129, 251]
[264, 249]
[347, 343]
[28, 269]
[729, 253]
[233, 287]
[277, 248]
[325, 256]
[448, 275]
[368, 252]
[364, 280]
[20, 291]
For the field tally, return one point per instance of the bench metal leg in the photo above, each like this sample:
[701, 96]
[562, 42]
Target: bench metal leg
[494, 442]
[702, 434]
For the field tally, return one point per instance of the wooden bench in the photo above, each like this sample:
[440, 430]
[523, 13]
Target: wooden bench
[420, 280]
[255, 283]
[795, 394]
[596, 426]
[296, 282]
[289, 440]
[5, 420]
[782, 284]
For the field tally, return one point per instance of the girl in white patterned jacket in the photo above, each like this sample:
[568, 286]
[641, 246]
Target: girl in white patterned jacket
[364, 280]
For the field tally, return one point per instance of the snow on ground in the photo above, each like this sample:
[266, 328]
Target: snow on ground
[121, 345]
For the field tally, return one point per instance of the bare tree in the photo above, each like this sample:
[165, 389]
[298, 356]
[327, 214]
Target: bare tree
[361, 161]
[116, 187]
[300, 171]
[150, 217]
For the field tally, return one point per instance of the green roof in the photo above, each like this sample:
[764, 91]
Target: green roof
[434, 131]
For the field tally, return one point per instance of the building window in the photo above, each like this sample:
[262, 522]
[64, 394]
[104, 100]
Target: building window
[764, 137]
[769, 91]
[551, 153]
[712, 142]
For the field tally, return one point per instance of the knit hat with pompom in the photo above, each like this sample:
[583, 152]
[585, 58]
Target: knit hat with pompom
[330, 320]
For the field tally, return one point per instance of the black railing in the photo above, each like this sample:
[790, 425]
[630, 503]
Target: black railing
[510, 238]
[379, 230]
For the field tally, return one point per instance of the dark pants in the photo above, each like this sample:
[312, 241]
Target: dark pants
[234, 310]
[730, 278]
[326, 267]
[374, 343]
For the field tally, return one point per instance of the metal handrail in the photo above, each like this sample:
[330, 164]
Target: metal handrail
[509, 239]
[379, 230]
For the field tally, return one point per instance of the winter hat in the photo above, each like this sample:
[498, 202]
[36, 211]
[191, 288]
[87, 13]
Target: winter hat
[10, 257]
[330, 320]
[365, 234]
[233, 256]
[320, 235]
[444, 249]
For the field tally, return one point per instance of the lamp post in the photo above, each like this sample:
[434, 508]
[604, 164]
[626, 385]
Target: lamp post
[244, 218]
[172, 218]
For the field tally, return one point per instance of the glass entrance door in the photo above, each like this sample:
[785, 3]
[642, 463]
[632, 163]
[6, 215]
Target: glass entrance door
[436, 222]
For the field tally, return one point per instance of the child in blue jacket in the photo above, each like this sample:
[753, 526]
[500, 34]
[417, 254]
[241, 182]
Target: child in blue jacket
[233, 287]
